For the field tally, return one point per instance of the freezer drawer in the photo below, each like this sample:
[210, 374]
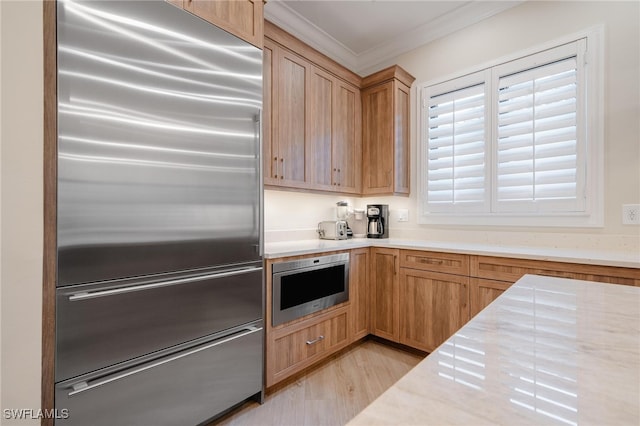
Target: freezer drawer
[98, 326]
[186, 388]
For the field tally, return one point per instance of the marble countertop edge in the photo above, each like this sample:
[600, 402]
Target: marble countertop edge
[588, 257]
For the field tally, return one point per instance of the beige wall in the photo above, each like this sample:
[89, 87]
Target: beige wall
[21, 205]
[523, 27]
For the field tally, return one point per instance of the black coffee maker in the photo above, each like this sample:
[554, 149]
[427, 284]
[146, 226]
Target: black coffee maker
[377, 221]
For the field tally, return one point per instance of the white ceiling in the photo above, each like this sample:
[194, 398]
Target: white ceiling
[365, 35]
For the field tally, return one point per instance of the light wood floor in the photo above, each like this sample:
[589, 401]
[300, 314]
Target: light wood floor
[331, 394]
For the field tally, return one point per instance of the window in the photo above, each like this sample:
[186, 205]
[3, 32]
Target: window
[515, 143]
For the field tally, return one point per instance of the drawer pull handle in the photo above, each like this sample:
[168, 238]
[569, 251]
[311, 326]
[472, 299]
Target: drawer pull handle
[311, 342]
[117, 291]
[432, 261]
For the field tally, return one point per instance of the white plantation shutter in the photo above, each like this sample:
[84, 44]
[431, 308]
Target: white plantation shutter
[517, 143]
[539, 160]
[455, 151]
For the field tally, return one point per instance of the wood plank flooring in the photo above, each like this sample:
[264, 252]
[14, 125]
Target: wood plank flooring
[331, 394]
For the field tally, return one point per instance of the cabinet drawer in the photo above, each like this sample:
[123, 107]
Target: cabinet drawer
[511, 270]
[105, 324]
[293, 352]
[186, 387]
[449, 263]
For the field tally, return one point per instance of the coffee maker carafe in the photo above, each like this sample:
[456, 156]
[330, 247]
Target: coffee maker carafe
[377, 221]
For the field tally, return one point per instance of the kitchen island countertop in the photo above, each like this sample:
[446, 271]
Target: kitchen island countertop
[548, 351]
[589, 257]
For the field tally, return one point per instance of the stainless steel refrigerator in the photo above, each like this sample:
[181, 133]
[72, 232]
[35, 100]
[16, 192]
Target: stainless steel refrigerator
[159, 300]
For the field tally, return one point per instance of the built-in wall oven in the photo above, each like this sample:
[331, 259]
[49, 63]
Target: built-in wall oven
[301, 287]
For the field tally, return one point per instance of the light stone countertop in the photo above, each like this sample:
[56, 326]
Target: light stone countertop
[549, 351]
[589, 257]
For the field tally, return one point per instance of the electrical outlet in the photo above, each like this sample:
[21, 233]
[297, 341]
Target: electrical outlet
[403, 215]
[631, 214]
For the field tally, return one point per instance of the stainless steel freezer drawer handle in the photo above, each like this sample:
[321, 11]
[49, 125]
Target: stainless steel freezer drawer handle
[84, 386]
[116, 291]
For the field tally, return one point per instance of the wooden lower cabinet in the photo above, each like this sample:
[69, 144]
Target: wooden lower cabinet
[383, 283]
[482, 292]
[433, 306]
[359, 292]
[404, 296]
[294, 348]
[511, 270]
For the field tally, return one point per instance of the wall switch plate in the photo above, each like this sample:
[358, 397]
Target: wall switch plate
[631, 214]
[403, 215]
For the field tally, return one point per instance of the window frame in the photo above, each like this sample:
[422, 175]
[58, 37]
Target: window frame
[593, 215]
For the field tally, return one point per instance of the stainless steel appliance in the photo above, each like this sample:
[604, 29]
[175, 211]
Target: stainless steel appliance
[342, 213]
[332, 230]
[377, 221]
[159, 300]
[301, 287]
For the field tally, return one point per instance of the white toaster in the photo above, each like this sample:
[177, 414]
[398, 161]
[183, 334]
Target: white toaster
[332, 230]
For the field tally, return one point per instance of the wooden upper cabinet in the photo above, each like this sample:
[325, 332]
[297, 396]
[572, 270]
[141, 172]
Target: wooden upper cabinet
[321, 104]
[334, 134]
[286, 88]
[347, 139]
[385, 132]
[289, 119]
[269, 87]
[318, 120]
[383, 280]
[242, 18]
[377, 132]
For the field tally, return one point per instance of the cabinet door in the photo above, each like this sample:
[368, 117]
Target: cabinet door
[482, 292]
[242, 18]
[347, 140]
[359, 292]
[291, 120]
[269, 88]
[434, 307]
[377, 134]
[384, 297]
[320, 116]
[401, 168]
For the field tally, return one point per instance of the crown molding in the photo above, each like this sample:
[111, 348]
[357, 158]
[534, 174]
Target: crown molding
[384, 54]
[292, 22]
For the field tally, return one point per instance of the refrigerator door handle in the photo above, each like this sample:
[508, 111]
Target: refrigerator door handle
[103, 293]
[85, 386]
[260, 186]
